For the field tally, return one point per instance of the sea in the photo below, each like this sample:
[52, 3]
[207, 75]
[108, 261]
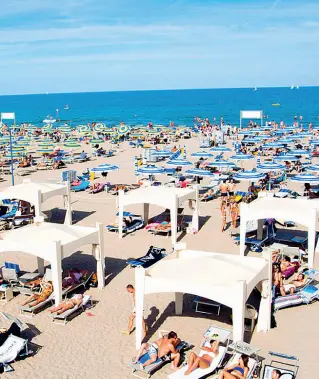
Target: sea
[163, 106]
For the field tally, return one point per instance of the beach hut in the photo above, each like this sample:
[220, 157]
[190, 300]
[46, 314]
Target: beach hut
[188, 271]
[167, 197]
[301, 212]
[54, 242]
[37, 193]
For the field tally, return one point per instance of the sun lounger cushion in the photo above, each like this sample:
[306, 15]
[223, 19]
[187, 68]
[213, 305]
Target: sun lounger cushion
[199, 373]
[287, 301]
[11, 348]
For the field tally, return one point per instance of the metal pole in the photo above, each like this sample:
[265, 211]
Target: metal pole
[11, 156]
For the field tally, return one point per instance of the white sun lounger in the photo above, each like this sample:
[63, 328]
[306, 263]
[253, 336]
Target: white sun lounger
[11, 349]
[199, 372]
[62, 319]
[27, 311]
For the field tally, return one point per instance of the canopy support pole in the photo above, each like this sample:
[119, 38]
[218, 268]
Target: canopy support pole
[239, 311]
[139, 304]
[146, 212]
[56, 265]
[99, 256]
[178, 303]
[67, 202]
[121, 211]
[40, 262]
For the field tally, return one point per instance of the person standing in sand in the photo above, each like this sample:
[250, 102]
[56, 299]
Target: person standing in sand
[131, 290]
[224, 215]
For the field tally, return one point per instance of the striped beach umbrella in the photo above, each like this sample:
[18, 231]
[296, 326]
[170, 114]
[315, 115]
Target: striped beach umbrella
[95, 141]
[298, 152]
[105, 168]
[179, 163]
[313, 168]
[198, 172]
[45, 150]
[249, 175]
[202, 154]
[162, 153]
[286, 158]
[306, 178]
[65, 129]
[222, 164]
[273, 145]
[150, 170]
[220, 149]
[254, 139]
[270, 166]
[72, 145]
[83, 128]
[241, 157]
[123, 129]
[100, 127]
[246, 132]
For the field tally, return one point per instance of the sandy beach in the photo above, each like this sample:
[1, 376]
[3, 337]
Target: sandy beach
[92, 345]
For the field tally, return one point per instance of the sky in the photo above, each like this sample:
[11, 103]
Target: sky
[106, 45]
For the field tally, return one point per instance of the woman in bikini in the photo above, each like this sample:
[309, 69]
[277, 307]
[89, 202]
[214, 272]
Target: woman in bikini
[47, 290]
[224, 215]
[234, 213]
[237, 371]
[205, 360]
[67, 304]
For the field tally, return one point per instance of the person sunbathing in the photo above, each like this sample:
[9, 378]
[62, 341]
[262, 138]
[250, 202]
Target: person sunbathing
[291, 287]
[161, 347]
[238, 370]
[285, 263]
[35, 299]
[76, 182]
[276, 374]
[67, 304]
[204, 361]
[209, 193]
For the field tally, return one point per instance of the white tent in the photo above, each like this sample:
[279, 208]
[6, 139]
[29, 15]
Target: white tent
[36, 193]
[166, 197]
[54, 242]
[226, 279]
[300, 211]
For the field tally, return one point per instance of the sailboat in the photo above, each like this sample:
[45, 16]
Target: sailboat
[297, 87]
[66, 107]
[255, 89]
[292, 87]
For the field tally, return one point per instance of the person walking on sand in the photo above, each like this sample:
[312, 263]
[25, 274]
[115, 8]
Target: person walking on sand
[223, 208]
[131, 290]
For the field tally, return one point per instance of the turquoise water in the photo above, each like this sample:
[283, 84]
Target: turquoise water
[160, 107]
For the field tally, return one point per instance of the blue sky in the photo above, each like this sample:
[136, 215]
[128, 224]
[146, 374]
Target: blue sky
[105, 45]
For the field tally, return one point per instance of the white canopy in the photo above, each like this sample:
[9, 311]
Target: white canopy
[54, 242]
[166, 197]
[300, 211]
[37, 193]
[227, 279]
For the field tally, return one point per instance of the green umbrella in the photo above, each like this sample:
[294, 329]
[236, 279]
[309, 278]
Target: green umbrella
[84, 128]
[96, 140]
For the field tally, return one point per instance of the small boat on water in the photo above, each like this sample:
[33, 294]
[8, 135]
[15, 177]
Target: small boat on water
[66, 107]
[292, 87]
[297, 87]
[276, 105]
[255, 89]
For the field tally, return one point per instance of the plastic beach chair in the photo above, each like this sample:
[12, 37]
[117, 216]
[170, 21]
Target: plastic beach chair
[62, 319]
[11, 349]
[287, 365]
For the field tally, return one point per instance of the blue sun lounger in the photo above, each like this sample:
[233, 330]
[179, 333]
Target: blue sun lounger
[153, 255]
[137, 223]
[81, 187]
[11, 214]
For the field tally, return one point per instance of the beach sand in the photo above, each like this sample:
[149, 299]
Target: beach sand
[92, 345]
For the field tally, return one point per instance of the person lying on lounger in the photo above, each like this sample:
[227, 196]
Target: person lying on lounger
[276, 374]
[195, 361]
[238, 370]
[158, 349]
[299, 281]
[47, 290]
[209, 193]
[67, 304]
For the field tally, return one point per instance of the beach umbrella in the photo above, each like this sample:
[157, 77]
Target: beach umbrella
[100, 127]
[220, 149]
[65, 129]
[313, 168]
[270, 166]
[246, 132]
[179, 162]
[45, 150]
[202, 154]
[298, 152]
[123, 129]
[222, 164]
[251, 140]
[306, 178]
[285, 141]
[83, 128]
[286, 157]
[105, 168]
[273, 145]
[265, 136]
[17, 148]
[198, 172]
[15, 155]
[162, 153]
[249, 175]
[314, 142]
[72, 145]
[150, 170]
[241, 157]
[95, 141]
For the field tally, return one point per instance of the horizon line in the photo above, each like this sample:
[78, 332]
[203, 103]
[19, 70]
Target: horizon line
[153, 90]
